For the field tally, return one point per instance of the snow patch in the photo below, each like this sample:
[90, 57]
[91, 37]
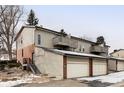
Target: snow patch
[110, 78]
[24, 79]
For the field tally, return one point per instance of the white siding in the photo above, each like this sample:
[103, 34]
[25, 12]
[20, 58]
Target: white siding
[46, 38]
[77, 67]
[46, 41]
[99, 67]
[49, 63]
[82, 44]
[119, 54]
[27, 37]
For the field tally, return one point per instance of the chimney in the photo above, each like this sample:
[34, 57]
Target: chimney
[115, 50]
[62, 30]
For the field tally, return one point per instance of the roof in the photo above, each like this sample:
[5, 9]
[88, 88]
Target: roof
[67, 53]
[71, 53]
[78, 54]
[116, 51]
[117, 58]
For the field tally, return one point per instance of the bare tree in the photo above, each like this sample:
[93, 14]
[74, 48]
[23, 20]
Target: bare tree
[9, 19]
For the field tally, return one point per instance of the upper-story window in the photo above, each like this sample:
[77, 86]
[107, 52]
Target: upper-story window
[21, 40]
[39, 39]
[81, 49]
[22, 53]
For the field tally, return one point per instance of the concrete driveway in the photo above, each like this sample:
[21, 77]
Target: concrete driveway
[56, 83]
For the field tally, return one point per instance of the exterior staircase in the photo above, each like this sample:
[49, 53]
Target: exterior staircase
[28, 64]
[33, 68]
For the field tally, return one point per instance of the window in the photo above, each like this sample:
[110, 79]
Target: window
[118, 55]
[21, 40]
[39, 39]
[22, 52]
[81, 49]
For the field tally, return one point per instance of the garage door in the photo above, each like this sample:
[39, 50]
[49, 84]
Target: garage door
[77, 67]
[99, 67]
[120, 66]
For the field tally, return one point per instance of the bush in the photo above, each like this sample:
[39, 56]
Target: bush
[2, 67]
[10, 64]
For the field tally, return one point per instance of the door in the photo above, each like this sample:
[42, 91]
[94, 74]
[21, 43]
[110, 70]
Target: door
[120, 66]
[99, 67]
[77, 67]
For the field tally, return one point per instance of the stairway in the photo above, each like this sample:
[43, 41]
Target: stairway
[33, 68]
[28, 63]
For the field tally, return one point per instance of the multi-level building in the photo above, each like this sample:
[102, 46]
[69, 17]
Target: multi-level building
[118, 53]
[30, 36]
[60, 55]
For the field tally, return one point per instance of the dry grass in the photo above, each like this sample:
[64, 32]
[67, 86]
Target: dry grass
[11, 74]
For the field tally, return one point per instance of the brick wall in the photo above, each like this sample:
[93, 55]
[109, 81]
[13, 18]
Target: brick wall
[25, 52]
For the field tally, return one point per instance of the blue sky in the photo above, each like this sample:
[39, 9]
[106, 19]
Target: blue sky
[88, 21]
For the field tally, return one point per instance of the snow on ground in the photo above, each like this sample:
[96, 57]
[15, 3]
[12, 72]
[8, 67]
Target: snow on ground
[25, 79]
[110, 78]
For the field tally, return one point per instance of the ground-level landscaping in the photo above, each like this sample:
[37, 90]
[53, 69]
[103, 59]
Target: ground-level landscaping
[18, 78]
[15, 76]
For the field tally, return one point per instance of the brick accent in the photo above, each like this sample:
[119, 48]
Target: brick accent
[27, 53]
[64, 67]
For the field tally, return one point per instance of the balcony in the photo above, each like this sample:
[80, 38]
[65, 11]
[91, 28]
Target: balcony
[98, 49]
[64, 42]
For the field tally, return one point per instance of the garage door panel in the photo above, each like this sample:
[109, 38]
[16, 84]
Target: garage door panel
[77, 67]
[120, 66]
[99, 67]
